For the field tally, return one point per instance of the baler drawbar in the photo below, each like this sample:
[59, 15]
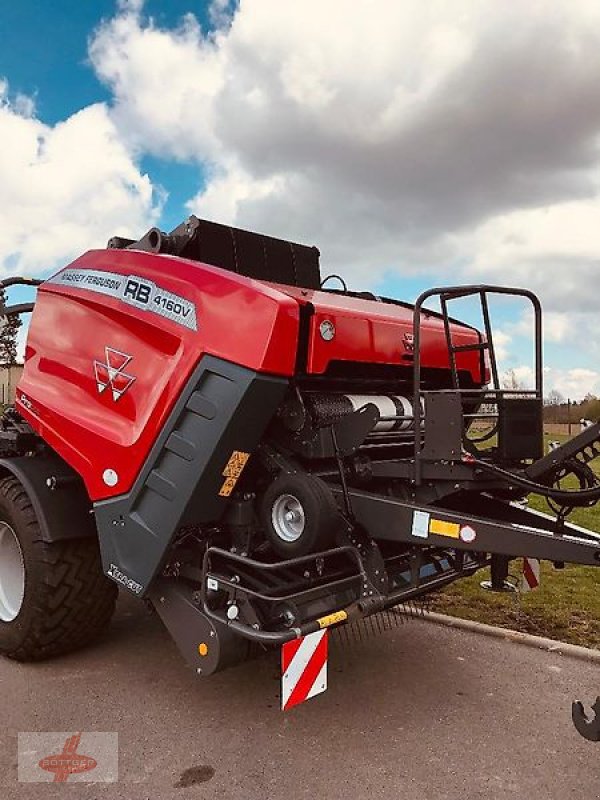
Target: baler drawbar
[264, 457]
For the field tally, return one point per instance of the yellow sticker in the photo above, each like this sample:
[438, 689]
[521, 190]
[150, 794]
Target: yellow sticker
[441, 528]
[332, 619]
[228, 487]
[235, 465]
[233, 470]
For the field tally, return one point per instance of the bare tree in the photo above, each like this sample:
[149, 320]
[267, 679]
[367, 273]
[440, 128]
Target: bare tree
[555, 398]
[511, 382]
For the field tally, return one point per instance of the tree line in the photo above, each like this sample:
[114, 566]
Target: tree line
[9, 328]
[559, 410]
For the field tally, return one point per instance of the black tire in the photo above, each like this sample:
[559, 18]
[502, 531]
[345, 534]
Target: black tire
[67, 601]
[321, 514]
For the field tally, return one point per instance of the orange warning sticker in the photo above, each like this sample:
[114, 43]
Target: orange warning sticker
[441, 528]
[233, 470]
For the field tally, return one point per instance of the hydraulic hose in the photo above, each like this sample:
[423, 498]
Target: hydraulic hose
[567, 497]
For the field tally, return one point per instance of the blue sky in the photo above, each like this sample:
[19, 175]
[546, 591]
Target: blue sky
[443, 160]
[44, 48]
[46, 58]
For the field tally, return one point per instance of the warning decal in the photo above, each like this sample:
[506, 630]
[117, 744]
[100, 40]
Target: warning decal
[531, 575]
[441, 528]
[232, 471]
[304, 669]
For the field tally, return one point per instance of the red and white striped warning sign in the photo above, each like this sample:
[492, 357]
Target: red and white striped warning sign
[531, 575]
[304, 669]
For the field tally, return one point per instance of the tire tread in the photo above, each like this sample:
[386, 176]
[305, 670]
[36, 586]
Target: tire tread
[74, 600]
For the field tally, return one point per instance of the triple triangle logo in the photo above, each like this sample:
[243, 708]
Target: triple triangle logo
[111, 373]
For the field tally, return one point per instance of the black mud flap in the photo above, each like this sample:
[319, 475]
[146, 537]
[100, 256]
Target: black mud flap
[57, 494]
[191, 470]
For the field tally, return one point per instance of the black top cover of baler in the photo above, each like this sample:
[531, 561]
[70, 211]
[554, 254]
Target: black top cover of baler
[252, 254]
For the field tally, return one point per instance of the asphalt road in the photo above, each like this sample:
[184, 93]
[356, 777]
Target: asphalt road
[421, 712]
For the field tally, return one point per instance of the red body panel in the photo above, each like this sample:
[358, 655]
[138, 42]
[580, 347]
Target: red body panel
[375, 332]
[251, 323]
[238, 319]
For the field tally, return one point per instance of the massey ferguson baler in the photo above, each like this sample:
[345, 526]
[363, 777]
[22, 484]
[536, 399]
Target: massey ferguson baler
[205, 425]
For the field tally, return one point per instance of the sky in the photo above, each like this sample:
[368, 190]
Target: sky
[416, 144]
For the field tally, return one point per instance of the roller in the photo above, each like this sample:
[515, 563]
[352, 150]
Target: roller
[396, 411]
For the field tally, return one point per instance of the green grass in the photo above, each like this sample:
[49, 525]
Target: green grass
[566, 607]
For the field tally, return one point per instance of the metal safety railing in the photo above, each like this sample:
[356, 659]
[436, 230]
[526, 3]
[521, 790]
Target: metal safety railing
[483, 346]
[19, 308]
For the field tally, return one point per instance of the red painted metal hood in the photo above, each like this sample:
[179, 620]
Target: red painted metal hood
[378, 332]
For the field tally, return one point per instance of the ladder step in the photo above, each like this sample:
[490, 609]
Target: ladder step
[467, 348]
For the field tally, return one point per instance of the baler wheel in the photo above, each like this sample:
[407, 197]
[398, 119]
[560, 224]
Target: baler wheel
[54, 597]
[299, 515]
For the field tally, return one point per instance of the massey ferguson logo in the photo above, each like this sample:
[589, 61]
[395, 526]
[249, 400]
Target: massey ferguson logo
[409, 342]
[111, 373]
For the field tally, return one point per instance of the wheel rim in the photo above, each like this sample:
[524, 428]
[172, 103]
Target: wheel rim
[288, 518]
[12, 574]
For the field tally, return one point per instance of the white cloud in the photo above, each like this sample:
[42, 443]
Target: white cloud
[558, 327]
[555, 250]
[573, 384]
[165, 83]
[220, 12]
[502, 342]
[454, 139]
[424, 136]
[64, 188]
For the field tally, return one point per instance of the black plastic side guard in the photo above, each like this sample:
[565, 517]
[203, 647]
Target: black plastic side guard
[217, 422]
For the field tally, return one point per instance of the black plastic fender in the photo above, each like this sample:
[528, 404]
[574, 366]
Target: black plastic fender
[57, 493]
[191, 470]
